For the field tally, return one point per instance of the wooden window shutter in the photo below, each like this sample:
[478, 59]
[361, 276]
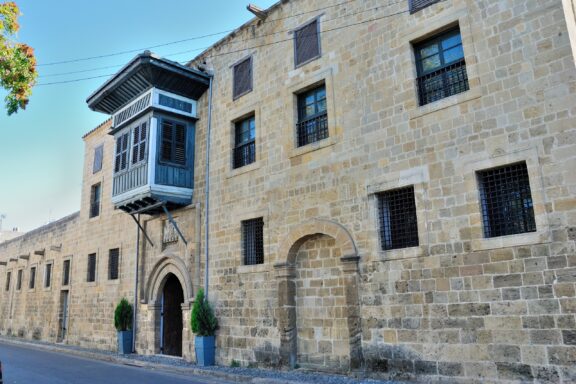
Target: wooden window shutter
[417, 5]
[166, 149]
[242, 78]
[98, 156]
[180, 144]
[307, 43]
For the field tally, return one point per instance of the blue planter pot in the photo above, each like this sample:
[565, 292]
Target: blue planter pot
[124, 342]
[205, 350]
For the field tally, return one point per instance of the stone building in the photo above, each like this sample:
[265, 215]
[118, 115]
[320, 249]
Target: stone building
[390, 191]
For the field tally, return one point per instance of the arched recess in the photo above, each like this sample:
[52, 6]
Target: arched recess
[168, 263]
[286, 273]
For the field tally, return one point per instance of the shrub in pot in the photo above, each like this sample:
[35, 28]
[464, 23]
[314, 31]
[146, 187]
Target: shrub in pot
[204, 324]
[123, 324]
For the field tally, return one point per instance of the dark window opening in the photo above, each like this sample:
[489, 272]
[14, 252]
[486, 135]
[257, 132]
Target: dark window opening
[139, 143]
[173, 103]
[441, 67]
[66, 272]
[397, 217]
[121, 159]
[307, 43]
[95, 200]
[19, 281]
[253, 241]
[91, 275]
[245, 142]
[173, 148]
[113, 263]
[32, 282]
[417, 5]
[242, 82]
[98, 157]
[48, 279]
[312, 116]
[8, 276]
[506, 201]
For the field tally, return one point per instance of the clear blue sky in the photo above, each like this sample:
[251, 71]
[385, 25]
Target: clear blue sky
[41, 148]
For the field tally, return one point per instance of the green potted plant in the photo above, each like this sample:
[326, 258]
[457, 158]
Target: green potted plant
[204, 324]
[123, 324]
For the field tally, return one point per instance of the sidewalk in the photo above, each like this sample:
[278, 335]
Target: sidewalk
[170, 364]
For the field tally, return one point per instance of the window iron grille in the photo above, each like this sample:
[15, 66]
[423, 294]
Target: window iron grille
[91, 275]
[113, 263]
[307, 43]
[66, 272]
[19, 281]
[8, 276]
[245, 142]
[242, 78]
[312, 130]
[95, 200]
[32, 282]
[253, 241]
[397, 219]
[443, 83]
[506, 201]
[312, 116]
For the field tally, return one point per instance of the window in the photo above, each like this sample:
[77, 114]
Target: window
[8, 276]
[173, 148]
[441, 67]
[98, 156]
[506, 200]
[139, 143]
[245, 142]
[397, 219]
[173, 103]
[19, 281]
[253, 241]
[48, 276]
[121, 159]
[242, 83]
[95, 200]
[312, 116]
[91, 270]
[416, 5]
[113, 259]
[307, 43]
[32, 278]
[66, 272]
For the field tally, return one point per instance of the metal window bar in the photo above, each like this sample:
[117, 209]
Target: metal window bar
[32, 282]
[91, 275]
[244, 154]
[48, 280]
[442, 83]
[417, 5]
[506, 201]
[253, 241]
[66, 272]
[113, 263]
[312, 129]
[397, 219]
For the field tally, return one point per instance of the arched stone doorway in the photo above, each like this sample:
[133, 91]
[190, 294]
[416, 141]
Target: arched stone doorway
[319, 311]
[168, 295]
[171, 317]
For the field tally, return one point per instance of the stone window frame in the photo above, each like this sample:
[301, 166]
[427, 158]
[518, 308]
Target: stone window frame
[48, 288]
[325, 77]
[248, 215]
[34, 265]
[417, 178]
[237, 115]
[447, 19]
[67, 258]
[473, 163]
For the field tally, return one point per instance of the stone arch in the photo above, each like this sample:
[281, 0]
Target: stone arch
[168, 263]
[286, 273]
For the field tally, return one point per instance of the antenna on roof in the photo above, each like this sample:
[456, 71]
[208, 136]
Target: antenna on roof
[259, 12]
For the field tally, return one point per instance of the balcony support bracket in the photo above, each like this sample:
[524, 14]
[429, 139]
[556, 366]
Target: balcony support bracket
[142, 229]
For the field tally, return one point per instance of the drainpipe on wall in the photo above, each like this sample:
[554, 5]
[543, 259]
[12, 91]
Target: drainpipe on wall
[136, 287]
[207, 186]
[197, 250]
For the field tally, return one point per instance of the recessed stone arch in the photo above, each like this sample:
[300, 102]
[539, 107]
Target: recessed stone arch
[286, 274]
[168, 263]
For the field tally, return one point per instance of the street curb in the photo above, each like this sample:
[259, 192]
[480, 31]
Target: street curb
[237, 378]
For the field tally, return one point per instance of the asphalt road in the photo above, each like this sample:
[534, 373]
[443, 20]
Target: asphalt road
[25, 365]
